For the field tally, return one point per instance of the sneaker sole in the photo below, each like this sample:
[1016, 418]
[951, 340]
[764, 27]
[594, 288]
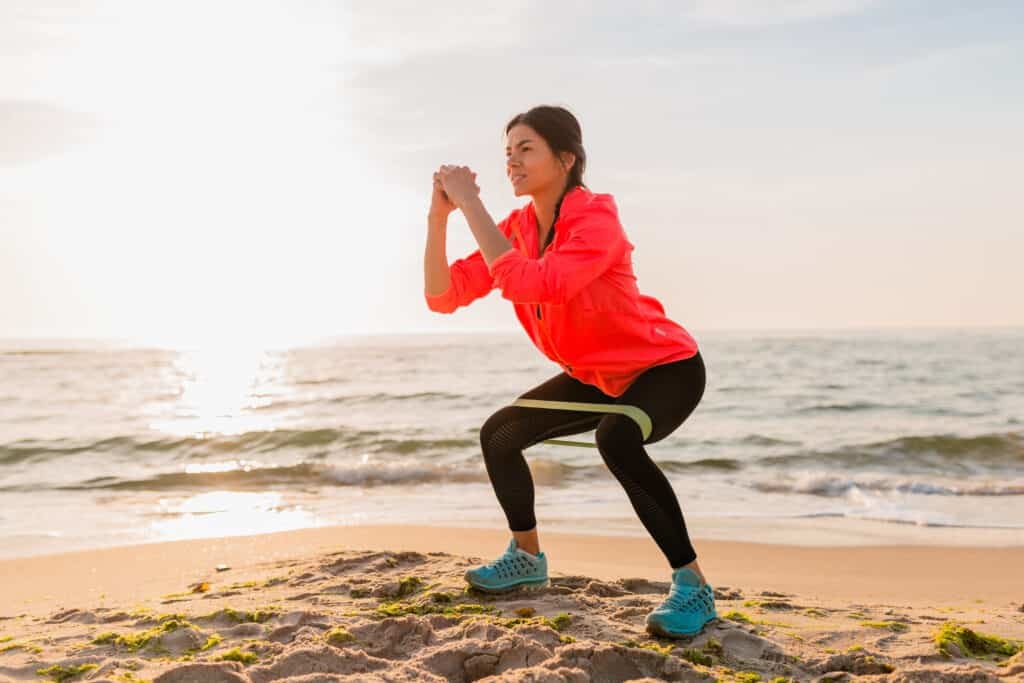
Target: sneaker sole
[657, 630]
[525, 586]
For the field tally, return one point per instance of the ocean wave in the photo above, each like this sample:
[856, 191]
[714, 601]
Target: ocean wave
[831, 486]
[380, 397]
[904, 520]
[247, 476]
[46, 352]
[723, 464]
[938, 452]
[851, 407]
[262, 442]
[750, 440]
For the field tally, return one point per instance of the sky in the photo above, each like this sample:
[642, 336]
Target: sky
[261, 171]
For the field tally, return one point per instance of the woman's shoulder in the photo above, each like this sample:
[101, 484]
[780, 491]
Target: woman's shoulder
[583, 199]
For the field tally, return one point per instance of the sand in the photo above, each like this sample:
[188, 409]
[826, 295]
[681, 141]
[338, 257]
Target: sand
[388, 603]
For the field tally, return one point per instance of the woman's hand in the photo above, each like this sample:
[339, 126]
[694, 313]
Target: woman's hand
[440, 205]
[459, 183]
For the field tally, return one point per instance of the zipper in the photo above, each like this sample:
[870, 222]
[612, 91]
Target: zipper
[540, 318]
[551, 344]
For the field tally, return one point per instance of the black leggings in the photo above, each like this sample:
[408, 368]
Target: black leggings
[667, 393]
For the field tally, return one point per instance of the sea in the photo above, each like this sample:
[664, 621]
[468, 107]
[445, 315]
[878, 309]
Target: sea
[831, 437]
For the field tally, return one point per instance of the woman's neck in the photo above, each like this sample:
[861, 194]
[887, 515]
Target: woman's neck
[544, 207]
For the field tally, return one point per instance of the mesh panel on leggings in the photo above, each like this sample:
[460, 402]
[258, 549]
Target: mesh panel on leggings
[621, 445]
[504, 437]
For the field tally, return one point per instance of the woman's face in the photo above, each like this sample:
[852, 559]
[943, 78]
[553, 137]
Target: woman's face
[531, 166]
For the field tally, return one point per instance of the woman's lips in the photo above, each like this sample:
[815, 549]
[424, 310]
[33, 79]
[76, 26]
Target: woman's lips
[517, 179]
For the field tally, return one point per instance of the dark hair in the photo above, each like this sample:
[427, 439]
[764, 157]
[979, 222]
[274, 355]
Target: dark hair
[562, 132]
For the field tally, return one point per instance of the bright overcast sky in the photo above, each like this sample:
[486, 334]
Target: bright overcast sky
[247, 170]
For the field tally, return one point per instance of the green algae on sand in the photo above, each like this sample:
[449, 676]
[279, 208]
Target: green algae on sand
[894, 626]
[952, 638]
[137, 641]
[61, 673]
[338, 636]
[237, 655]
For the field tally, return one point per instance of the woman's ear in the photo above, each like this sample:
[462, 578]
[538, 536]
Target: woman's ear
[568, 158]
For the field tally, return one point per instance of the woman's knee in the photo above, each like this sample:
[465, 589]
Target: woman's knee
[497, 434]
[617, 434]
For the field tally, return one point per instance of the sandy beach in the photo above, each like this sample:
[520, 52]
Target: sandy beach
[388, 603]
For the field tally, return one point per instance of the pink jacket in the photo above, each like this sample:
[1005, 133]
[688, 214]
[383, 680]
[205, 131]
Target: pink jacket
[579, 303]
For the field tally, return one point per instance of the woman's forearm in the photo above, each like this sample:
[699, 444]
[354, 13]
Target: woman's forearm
[435, 260]
[491, 240]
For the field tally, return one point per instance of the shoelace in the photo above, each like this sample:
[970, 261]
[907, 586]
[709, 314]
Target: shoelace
[508, 560]
[679, 600]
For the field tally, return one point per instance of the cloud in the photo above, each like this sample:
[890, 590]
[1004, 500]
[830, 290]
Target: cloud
[30, 130]
[391, 32]
[747, 13]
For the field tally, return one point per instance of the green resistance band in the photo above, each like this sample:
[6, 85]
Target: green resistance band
[636, 414]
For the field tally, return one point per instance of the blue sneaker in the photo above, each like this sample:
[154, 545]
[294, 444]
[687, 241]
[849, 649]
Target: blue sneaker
[514, 569]
[687, 609]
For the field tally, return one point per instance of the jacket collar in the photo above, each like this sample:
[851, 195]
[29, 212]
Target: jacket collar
[573, 199]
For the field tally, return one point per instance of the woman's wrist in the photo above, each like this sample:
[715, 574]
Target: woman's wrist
[437, 220]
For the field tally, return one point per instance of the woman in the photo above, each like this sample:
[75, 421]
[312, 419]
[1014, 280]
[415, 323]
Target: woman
[564, 262]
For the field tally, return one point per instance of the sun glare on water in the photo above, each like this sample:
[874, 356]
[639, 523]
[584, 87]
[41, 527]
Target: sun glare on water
[220, 389]
[228, 513]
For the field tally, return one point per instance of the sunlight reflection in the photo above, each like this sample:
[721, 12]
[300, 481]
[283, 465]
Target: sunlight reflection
[218, 389]
[229, 513]
[229, 466]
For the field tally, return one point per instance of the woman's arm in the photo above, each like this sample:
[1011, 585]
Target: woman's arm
[435, 261]
[448, 287]
[594, 242]
[491, 240]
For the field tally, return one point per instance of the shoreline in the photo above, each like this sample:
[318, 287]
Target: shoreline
[809, 531]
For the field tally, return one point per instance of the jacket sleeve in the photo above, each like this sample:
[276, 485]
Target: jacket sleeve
[470, 280]
[595, 242]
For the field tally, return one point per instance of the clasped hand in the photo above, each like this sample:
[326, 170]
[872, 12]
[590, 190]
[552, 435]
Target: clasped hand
[459, 183]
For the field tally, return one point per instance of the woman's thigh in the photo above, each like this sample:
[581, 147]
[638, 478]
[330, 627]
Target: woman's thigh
[668, 394]
[533, 425]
